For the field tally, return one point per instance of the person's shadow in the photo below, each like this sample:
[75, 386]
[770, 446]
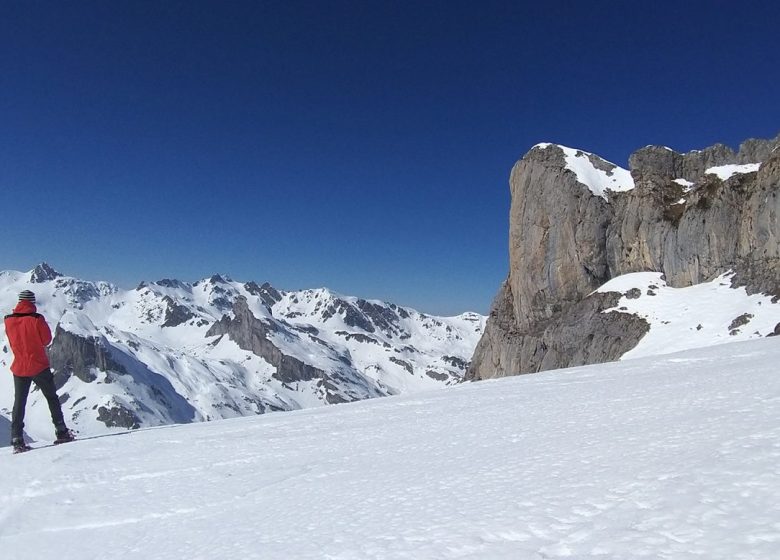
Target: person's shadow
[5, 431]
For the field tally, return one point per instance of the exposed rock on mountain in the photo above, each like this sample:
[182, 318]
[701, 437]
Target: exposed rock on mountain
[175, 314]
[577, 221]
[43, 273]
[339, 384]
[82, 356]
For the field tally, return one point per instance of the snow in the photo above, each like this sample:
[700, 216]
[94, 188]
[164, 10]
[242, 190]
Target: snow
[725, 172]
[684, 183]
[597, 180]
[667, 148]
[692, 317]
[77, 323]
[671, 457]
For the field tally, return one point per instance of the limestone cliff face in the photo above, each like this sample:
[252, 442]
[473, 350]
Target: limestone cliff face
[567, 239]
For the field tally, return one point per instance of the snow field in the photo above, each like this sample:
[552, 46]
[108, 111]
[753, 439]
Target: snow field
[666, 457]
[724, 172]
[693, 317]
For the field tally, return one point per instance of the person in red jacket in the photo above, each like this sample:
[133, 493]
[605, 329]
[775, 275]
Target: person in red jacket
[29, 334]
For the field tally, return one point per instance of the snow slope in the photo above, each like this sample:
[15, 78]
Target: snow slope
[725, 172]
[673, 457]
[595, 178]
[700, 315]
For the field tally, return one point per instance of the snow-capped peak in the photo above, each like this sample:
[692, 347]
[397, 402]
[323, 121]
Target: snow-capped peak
[43, 273]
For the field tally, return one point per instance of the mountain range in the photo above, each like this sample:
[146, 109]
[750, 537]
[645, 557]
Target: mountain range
[177, 352]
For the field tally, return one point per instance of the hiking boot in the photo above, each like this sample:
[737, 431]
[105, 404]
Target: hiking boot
[64, 436]
[19, 445]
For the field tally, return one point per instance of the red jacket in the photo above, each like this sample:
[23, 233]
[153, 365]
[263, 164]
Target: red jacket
[29, 335]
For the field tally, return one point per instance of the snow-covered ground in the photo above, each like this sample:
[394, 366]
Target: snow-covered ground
[666, 457]
[693, 317]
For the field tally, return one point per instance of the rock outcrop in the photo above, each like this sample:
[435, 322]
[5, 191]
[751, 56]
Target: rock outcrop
[676, 215]
[72, 354]
[43, 273]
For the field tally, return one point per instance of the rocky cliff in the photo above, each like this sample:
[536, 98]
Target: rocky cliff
[578, 221]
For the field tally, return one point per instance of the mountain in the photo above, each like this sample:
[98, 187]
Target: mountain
[679, 252]
[174, 352]
[664, 457]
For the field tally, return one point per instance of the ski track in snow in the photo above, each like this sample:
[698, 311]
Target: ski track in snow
[665, 457]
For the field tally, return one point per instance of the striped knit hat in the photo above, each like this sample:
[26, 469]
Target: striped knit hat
[27, 295]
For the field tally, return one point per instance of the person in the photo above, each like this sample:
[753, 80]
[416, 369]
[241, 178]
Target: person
[29, 334]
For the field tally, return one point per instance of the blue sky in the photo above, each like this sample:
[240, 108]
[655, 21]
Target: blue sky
[363, 146]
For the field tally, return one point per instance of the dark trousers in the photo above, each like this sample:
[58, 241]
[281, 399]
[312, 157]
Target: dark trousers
[45, 382]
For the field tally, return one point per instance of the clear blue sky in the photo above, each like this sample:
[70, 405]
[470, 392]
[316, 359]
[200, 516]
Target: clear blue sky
[364, 146]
